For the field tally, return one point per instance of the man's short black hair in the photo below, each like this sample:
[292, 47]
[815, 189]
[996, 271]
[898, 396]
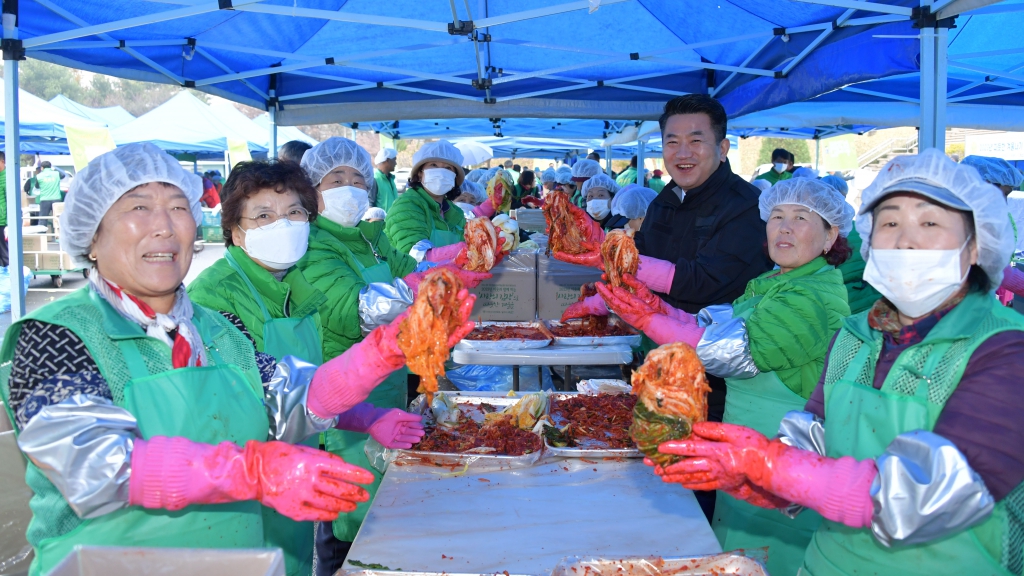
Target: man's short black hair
[45, 164]
[293, 151]
[3, 157]
[792, 157]
[697, 104]
[780, 153]
[517, 168]
[594, 156]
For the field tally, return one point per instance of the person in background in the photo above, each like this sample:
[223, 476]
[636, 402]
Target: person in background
[563, 181]
[582, 171]
[511, 169]
[656, 183]
[702, 239]
[598, 192]
[210, 197]
[476, 175]
[383, 173]
[595, 156]
[805, 172]
[859, 293]
[780, 165]
[4, 255]
[1006, 178]
[769, 344]
[374, 214]
[909, 446]
[293, 150]
[631, 203]
[790, 162]
[547, 178]
[525, 189]
[627, 176]
[48, 181]
[471, 195]
[762, 185]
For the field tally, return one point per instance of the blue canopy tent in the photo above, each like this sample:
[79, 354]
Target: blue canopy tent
[111, 116]
[547, 148]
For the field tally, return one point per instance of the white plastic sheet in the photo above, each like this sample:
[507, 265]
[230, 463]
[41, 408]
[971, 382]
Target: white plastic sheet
[553, 355]
[15, 552]
[114, 561]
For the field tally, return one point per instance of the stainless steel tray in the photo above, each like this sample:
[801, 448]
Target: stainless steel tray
[631, 340]
[735, 562]
[512, 343]
[588, 452]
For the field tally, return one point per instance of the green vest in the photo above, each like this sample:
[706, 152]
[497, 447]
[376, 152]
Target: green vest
[209, 404]
[49, 185]
[387, 192]
[862, 422]
[416, 216]
[774, 177]
[862, 296]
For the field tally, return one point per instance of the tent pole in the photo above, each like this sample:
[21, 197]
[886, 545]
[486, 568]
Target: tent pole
[640, 162]
[272, 151]
[13, 174]
[608, 160]
[933, 86]
[817, 152]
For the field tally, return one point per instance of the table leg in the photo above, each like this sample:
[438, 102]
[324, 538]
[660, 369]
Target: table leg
[515, 378]
[568, 378]
[540, 377]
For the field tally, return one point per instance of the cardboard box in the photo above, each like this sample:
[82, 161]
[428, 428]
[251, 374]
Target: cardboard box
[531, 219]
[32, 261]
[34, 243]
[558, 285]
[511, 295]
[58, 208]
[54, 261]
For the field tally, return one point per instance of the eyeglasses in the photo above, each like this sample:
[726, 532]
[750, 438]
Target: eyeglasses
[267, 217]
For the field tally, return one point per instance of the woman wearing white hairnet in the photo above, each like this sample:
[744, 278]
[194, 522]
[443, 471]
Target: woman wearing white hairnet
[631, 203]
[911, 444]
[547, 178]
[769, 345]
[367, 282]
[1002, 175]
[598, 192]
[148, 421]
[582, 171]
[424, 222]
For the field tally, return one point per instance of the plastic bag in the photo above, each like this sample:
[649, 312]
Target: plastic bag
[477, 378]
[740, 562]
[596, 386]
[5, 287]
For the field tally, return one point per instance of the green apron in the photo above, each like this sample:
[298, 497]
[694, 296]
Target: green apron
[760, 403]
[446, 237]
[391, 393]
[209, 404]
[863, 421]
[282, 337]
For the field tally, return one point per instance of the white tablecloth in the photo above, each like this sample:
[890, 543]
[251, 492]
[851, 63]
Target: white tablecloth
[549, 356]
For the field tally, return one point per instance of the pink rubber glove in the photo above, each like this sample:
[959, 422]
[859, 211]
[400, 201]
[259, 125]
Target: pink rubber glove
[590, 306]
[725, 456]
[469, 278]
[640, 313]
[656, 274]
[1013, 281]
[592, 257]
[347, 380]
[484, 210]
[392, 427]
[302, 483]
[444, 253]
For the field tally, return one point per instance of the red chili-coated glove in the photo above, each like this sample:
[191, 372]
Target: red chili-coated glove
[342, 383]
[532, 202]
[485, 209]
[591, 306]
[462, 259]
[302, 483]
[593, 236]
[638, 311]
[392, 427]
[725, 456]
[469, 278]
[592, 257]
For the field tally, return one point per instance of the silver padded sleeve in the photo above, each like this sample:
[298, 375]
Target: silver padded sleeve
[925, 490]
[381, 303]
[803, 430]
[419, 249]
[83, 445]
[285, 398]
[724, 348]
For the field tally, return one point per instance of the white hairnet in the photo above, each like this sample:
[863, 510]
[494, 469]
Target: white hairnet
[477, 191]
[837, 182]
[598, 182]
[992, 228]
[820, 198]
[563, 175]
[336, 151]
[995, 170]
[547, 175]
[632, 201]
[476, 175]
[374, 213]
[443, 151]
[385, 154]
[803, 172]
[585, 169]
[108, 177]
[762, 184]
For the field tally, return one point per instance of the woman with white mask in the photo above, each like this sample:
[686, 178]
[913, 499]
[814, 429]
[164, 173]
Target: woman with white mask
[597, 193]
[922, 466]
[266, 219]
[367, 283]
[424, 222]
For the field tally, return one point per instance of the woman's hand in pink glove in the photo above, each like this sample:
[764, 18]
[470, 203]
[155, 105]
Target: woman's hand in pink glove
[590, 306]
[719, 457]
[397, 429]
[469, 279]
[592, 257]
[630, 307]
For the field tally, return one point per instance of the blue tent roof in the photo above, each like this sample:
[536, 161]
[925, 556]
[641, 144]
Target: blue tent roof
[366, 60]
[42, 124]
[111, 116]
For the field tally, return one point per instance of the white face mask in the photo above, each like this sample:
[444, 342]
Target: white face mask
[279, 245]
[915, 281]
[345, 205]
[598, 208]
[780, 168]
[438, 181]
